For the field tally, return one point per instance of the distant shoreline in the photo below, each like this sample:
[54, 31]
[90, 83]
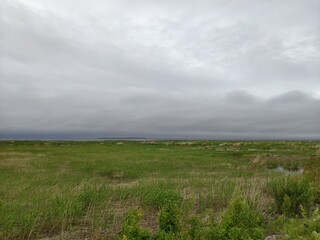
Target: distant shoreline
[158, 139]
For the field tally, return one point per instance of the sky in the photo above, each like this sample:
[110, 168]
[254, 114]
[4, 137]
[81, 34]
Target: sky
[169, 69]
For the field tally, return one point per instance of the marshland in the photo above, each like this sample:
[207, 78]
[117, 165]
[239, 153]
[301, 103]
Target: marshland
[122, 189]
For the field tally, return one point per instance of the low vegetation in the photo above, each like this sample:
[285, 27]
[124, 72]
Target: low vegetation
[175, 190]
[292, 194]
[239, 221]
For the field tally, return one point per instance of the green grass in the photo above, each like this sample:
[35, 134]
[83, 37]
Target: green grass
[50, 188]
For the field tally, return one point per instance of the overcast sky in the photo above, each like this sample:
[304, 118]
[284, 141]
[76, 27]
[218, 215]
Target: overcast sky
[213, 69]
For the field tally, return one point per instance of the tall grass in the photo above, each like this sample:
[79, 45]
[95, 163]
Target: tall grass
[52, 188]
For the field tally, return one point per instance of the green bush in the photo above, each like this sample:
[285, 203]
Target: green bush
[240, 221]
[131, 229]
[169, 217]
[162, 235]
[312, 169]
[305, 228]
[196, 231]
[290, 193]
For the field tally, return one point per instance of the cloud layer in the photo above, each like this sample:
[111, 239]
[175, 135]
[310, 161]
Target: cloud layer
[160, 68]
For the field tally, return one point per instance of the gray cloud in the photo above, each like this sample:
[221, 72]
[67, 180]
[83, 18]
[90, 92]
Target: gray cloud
[160, 68]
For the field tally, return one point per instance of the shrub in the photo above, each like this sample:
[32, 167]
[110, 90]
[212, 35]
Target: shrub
[312, 169]
[240, 221]
[162, 235]
[196, 231]
[291, 192]
[169, 217]
[131, 229]
[305, 228]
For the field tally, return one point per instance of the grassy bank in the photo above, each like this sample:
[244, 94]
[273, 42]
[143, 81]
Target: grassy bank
[56, 188]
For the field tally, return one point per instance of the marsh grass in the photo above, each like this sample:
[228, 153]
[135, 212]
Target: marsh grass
[51, 188]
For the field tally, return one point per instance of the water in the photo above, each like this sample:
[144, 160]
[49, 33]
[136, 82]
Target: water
[284, 170]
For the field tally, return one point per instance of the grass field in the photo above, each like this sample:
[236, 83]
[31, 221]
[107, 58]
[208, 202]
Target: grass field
[83, 189]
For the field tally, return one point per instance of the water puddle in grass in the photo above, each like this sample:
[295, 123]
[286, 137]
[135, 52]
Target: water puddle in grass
[299, 170]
